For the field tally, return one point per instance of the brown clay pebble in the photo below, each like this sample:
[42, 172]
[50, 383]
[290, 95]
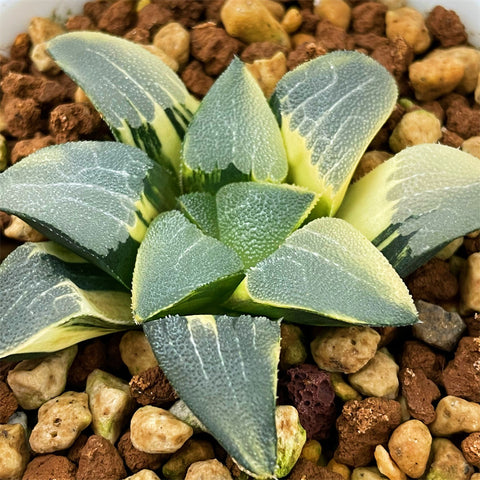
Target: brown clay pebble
[8, 403]
[417, 355]
[22, 116]
[79, 22]
[395, 56]
[91, 355]
[309, 21]
[50, 467]
[151, 387]
[24, 148]
[419, 393]
[471, 449]
[95, 9]
[258, 50]
[473, 325]
[153, 16]
[76, 449]
[303, 53]
[463, 120]
[137, 460]
[451, 139]
[100, 460]
[369, 17]
[186, 12]
[461, 376]
[138, 35]
[332, 37]
[369, 41]
[446, 27]
[118, 17]
[20, 47]
[196, 80]
[307, 470]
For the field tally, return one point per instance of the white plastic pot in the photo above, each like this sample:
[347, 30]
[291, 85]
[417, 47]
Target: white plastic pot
[15, 14]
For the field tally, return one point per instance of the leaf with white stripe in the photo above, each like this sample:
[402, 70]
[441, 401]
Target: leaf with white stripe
[181, 270]
[415, 203]
[329, 110]
[52, 299]
[96, 198]
[142, 100]
[225, 370]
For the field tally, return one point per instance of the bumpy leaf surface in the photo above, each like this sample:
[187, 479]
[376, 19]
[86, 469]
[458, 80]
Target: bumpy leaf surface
[225, 370]
[412, 205]
[142, 100]
[51, 299]
[330, 109]
[326, 270]
[201, 209]
[97, 198]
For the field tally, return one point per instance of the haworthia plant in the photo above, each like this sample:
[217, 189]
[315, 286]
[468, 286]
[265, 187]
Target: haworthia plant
[329, 110]
[415, 203]
[51, 299]
[233, 136]
[225, 370]
[240, 241]
[108, 193]
[142, 100]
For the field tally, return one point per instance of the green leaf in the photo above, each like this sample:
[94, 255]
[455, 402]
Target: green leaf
[225, 370]
[96, 198]
[255, 218]
[142, 100]
[201, 209]
[181, 270]
[233, 136]
[326, 269]
[330, 109]
[52, 299]
[416, 202]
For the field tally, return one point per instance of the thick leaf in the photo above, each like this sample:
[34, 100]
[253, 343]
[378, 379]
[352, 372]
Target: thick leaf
[233, 136]
[330, 109]
[255, 218]
[52, 299]
[415, 203]
[225, 370]
[143, 101]
[97, 198]
[181, 270]
[326, 269]
[201, 209]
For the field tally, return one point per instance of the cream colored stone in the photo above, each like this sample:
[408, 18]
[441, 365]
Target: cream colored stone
[343, 389]
[378, 378]
[136, 352]
[174, 40]
[268, 71]
[386, 465]
[3, 153]
[415, 128]
[455, 415]
[367, 473]
[340, 468]
[446, 252]
[19, 230]
[42, 29]
[344, 349]
[275, 8]
[448, 462]
[433, 77]
[60, 422]
[393, 4]
[470, 285]
[409, 446]
[409, 24]
[144, 475]
[80, 96]
[37, 380]
[158, 52]
[251, 21]
[292, 20]
[312, 450]
[472, 146]
[301, 38]
[14, 452]
[337, 12]
[42, 59]
[369, 161]
[155, 430]
[208, 470]
[477, 91]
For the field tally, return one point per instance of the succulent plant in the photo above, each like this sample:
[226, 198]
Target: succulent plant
[213, 221]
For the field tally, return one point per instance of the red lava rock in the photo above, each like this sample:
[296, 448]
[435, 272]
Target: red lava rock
[100, 460]
[20, 47]
[214, 47]
[307, 470]
[80, 22]
[363, 425]
[418, 356]
[309, 21]
[22, 116]
[471, 449]
[451, 139]
[50, 467]
[258, 50]
[118, 17]
[91, 355]
[186, 12]
[369, 41]
[196, 80]
[464, 121]
[461, 376]
[303, 53]
[23, 148]
[137, 460]
[312, 394]
[151, 387]
[71, 121]
[419, 393]
[332, 37]
[395, 56]
[8, 403]
[153, 16]
[369, 17]
[433, 282]
[76, 449]
[94, 10]
[446, 27]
